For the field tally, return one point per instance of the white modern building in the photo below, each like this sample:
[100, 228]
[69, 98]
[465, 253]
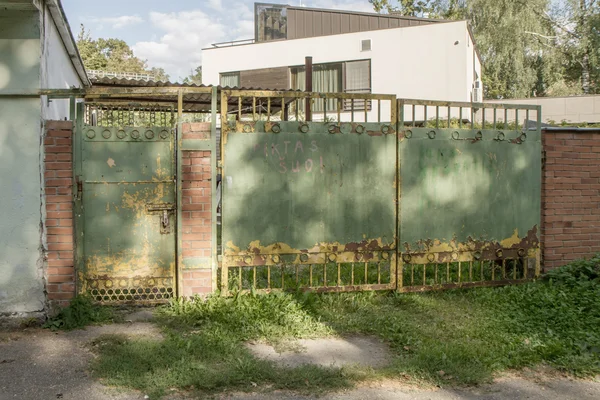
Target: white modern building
[352, 52]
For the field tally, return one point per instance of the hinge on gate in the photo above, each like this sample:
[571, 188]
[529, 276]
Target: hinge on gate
[79, 184]
[543, 158]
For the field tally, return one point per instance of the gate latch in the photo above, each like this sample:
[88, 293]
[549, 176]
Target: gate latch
[163, 210]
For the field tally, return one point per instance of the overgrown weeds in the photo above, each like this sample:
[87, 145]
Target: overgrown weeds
[459, 337]
[81, 312]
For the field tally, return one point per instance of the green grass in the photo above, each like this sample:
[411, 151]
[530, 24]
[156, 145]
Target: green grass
[81, 311]
[470, 335]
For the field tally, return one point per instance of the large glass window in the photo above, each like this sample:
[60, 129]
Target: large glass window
[343, 77]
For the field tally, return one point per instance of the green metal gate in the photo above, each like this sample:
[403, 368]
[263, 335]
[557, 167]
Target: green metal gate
[307, 204]
[470, 194]
[125, 204]
[447, 196]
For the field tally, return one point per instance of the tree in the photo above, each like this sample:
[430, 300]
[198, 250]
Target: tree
[410, 8]
[577, 26]
[113, 55]
[159, 74]
[515, 38]
[195, 76]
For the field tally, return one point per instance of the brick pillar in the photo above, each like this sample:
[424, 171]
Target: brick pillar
[570, 196]
[58, 182]
[197, 270]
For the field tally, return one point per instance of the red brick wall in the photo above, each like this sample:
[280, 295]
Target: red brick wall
[58, 181]
[197, 216]
[570, 197]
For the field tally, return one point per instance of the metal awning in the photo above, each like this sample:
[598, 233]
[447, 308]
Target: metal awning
[196, 98]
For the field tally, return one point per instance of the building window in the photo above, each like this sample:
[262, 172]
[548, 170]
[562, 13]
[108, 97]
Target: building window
[365, 45]
[271, 22]
[343, 77]
[230, 79]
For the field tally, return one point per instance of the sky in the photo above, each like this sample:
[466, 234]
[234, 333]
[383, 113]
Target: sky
[172, 33]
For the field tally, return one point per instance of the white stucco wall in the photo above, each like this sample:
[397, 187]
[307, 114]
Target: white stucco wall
[572, 109]
[21, 261]
[57, 71]
[421, 62]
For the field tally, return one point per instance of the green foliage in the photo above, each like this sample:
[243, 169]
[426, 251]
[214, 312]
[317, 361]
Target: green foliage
[204, 348]
[440, 338]
[411, 8]
[259, 317]
[528, 48]
[159, 74]
[581, 272]
[195, 76]
[113, 55]
[81, 312]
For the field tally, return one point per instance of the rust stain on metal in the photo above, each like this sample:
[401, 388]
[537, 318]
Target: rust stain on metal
[451, 251]
[366, 250]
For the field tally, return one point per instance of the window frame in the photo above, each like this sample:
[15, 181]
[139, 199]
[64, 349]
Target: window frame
[238, 73]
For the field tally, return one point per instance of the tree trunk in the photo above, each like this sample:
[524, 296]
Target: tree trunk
[585, 60]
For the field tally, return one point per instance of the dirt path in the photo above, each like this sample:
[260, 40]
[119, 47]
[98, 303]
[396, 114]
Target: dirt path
[38, 364]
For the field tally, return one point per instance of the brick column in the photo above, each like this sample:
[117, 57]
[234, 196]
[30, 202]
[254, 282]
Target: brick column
[58, 225]
[196, 215]
[570, 196]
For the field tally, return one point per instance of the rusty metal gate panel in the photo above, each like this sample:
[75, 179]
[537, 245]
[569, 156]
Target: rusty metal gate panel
[126, 209]
[470, 196]
[308, 205]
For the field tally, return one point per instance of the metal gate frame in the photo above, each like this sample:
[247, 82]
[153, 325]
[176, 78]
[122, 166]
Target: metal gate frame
[324, 259]
[189, 99]
[478, 261]
[500, 261]
[193, 97]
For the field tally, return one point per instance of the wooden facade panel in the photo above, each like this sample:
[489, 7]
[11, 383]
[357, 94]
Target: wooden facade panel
[292, 25]
[345, 23]
[355, 22]
[267, 78]
[304, 23]
[327, 19]
[309, 19]
[336, 23]
[318, 24]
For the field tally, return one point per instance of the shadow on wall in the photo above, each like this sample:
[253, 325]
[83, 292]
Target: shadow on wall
[341, 188]
[306, 189]
[21, 272]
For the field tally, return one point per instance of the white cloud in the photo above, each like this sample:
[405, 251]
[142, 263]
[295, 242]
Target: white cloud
[215, 5]
[117, 22]
[179, 49]
[182, 35]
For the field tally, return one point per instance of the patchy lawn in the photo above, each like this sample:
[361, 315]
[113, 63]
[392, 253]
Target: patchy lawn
[459, 337]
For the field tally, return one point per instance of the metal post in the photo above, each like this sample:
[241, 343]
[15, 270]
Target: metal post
[309, 85]
[179, 147]
[213, 189]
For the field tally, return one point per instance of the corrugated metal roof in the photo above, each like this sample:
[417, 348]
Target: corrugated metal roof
[124, 82]
[192, 102]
